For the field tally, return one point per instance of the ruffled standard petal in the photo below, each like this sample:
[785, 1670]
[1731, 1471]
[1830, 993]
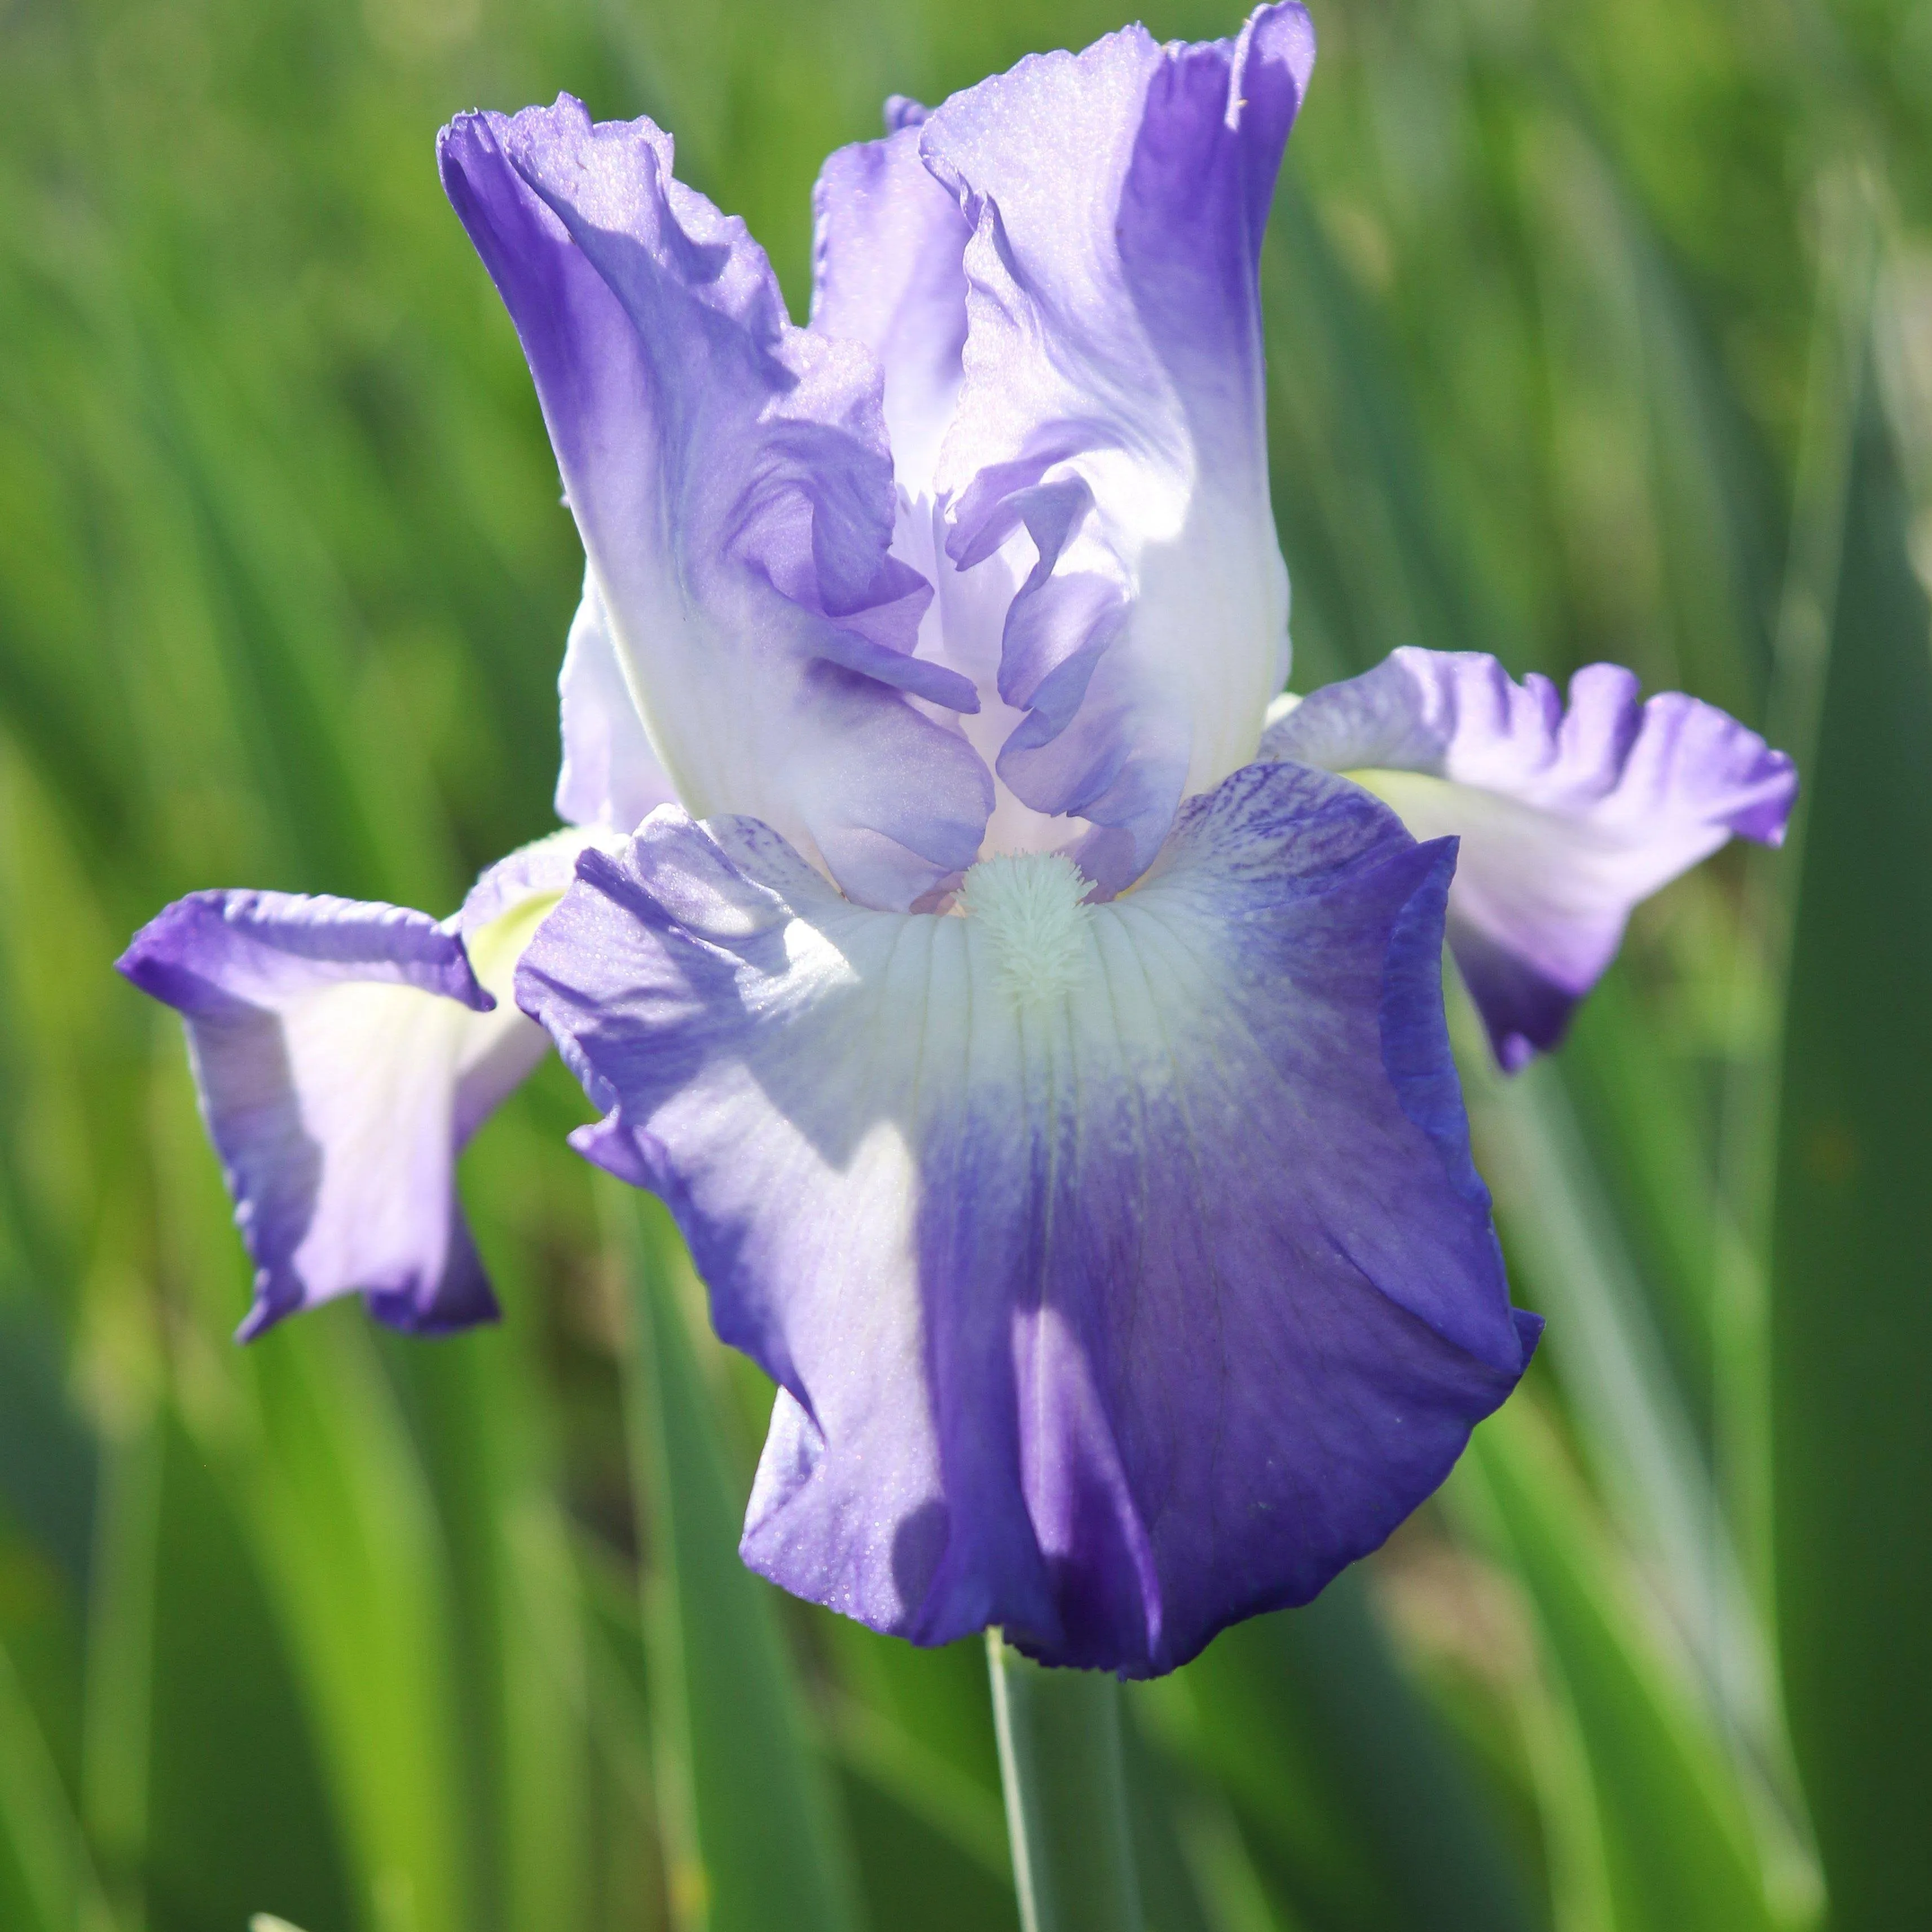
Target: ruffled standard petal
[1567, 819]
[730, 476]
[344, 1054]
[888, 271]
[1112, 419]
[1123, 1265]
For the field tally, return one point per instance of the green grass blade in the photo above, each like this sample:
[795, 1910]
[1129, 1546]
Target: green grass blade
[115, 1766]
[1573, 1258]
[912, 1732]
[49, 1466]
[1341, 1771]
[753, 1841]
[239, 1815]
[47, 1880]
[1172, 1894]
[1576, 1269]
[338, 1504]
[1852, 1319]
[517, 1635]
[929, 1852]
[1679, 1846]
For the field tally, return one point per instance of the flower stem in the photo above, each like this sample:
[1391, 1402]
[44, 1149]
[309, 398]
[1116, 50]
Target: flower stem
[1066, 1795]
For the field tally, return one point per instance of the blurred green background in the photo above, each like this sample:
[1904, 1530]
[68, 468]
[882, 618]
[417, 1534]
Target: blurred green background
[1598, 328]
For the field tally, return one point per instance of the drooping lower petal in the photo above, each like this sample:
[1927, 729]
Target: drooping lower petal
[1123, 1265]
[1567, 819]
[1112, 410]
[343, 1053]
[730, 476]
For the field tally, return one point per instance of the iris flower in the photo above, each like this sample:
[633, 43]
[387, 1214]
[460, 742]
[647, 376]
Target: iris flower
[1034, 1024]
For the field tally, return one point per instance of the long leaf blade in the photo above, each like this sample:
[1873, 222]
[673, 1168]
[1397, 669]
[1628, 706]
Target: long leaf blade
[738, 1783]
[1852, 1318]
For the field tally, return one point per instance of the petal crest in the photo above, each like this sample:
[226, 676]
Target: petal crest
[1110, 1303]
[1567, 818]
[343, 1053]
[1110, 421]
[730, 476]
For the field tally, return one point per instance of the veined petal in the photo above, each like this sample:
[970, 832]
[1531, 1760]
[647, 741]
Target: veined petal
[1110, 421]
[1567, 819]
[729, 475]
[343, 1053]
[888, 271]
[1123, 1265]
[610, 775]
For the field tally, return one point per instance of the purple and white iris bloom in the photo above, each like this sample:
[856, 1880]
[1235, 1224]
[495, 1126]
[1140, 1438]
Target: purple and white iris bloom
[1038, 1039]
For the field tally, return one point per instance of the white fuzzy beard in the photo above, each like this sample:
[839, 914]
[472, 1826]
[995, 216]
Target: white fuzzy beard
[1029, 905]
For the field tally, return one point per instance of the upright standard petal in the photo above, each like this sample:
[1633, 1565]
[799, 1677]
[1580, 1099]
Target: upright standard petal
[730, 478]
[344, 1054]
[1567, 820]
[888, 271]
[1111, 417]
[1123, 1265]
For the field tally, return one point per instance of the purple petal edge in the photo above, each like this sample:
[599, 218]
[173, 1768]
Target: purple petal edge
[207, 953]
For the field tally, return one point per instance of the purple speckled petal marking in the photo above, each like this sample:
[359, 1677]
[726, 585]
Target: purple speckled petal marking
[343, 1053]
[1567, 819]
[730, 476]
[1124, 1266]
[1110, 430]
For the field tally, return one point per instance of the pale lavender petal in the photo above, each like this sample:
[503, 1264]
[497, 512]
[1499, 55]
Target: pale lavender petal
[343, 1053]
[1110, 424]
[1123, 1267]
[888, 271]
[1567, 819]
[729, 475]
[610, 776]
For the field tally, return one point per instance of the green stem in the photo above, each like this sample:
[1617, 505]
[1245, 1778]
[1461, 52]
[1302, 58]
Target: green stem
[1066, 1795]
